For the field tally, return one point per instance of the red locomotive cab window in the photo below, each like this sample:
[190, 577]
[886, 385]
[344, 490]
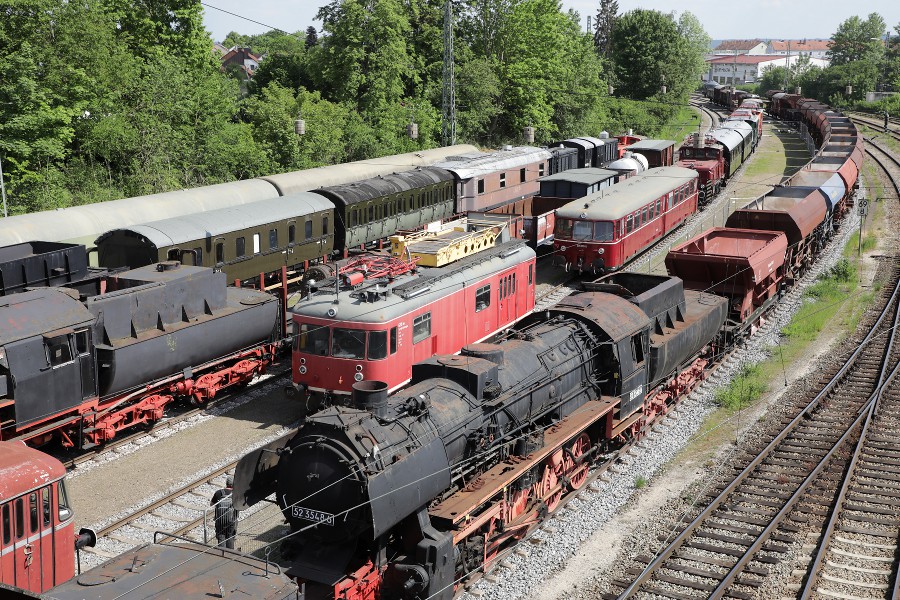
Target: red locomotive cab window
[7, 525]
[530, 274]
[377, 345]
[393, 340]
[20, 518]
[62, 502]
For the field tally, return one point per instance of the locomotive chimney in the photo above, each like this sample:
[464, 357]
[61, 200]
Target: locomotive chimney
[371, 396]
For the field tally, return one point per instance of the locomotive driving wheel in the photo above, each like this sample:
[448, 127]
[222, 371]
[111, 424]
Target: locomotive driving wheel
[577, 472]
[548, 482]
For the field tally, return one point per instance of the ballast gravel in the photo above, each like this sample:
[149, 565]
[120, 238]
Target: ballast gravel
[522, 574]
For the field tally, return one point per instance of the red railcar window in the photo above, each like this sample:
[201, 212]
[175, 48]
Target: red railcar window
[530, 274]
[644, 218]
[7, 526]
[33, 511]
[604, 231]
[348, 343]
[658, 207]
[482, 298]
[393, 340]
[513, 281]
[20, 518]
[421, 328]
[46, 506]
[629, 224]
[377, 345]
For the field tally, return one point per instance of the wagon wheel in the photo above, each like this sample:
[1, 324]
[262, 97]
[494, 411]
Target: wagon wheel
[578, 472]
[548, 482]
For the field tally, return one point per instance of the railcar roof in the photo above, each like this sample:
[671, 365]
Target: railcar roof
[376, 187]
[23, 469]
[169, 232]
[651, 145]
[587, 175]
[413, 291]
[627, 196]
[39, 311]
[730, 138]
[477, 164]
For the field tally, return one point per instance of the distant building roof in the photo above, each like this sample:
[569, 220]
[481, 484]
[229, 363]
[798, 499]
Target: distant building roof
[732, 45]
[744, 59]
[799, 45]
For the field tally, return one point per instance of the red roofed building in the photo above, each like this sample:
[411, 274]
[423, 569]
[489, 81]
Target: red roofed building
[243, 58]
[743, 68]
[731, 47]
[811, 48]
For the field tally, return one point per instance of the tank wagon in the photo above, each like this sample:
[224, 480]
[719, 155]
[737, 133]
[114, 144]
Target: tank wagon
[400, 496]
[382, 315]
[604, 230]
[87, 367]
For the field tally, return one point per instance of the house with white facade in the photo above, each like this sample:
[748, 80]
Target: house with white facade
[805, 47]
[741, 68]
[731, 47]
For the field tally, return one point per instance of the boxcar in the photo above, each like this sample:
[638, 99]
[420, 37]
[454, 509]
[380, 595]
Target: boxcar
[659, 153]
[603, 231]
[376, 329]
[243, 241]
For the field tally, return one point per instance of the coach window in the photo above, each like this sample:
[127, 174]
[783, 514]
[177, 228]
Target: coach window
[371, 213]
[502, 180]
[59, 351]
[348, 343]
[256, 243]
[198, 252]
[239, 247]
[522, 175]
[604, 231]
[421, 327]
[377, 345]
[308, 229]
[220, 252]
[7, 525]
[273, 239]
[324, 225]
[393, 340]
[313, 339]
[482, 298]
[481, 186]
[292, 233]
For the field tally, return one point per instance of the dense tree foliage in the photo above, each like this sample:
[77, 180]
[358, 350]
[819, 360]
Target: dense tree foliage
[857, 40]
[111, 98]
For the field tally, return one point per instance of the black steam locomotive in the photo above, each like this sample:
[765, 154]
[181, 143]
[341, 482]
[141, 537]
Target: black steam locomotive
[403, 495]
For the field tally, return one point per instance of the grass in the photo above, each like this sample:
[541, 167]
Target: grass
[684, 122]
[640, 482]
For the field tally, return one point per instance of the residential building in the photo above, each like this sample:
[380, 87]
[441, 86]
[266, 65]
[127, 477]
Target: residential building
[741, 68]
[243, 58]
[811, 48]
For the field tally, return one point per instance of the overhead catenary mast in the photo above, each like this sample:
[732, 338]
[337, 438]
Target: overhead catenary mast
[448, 97]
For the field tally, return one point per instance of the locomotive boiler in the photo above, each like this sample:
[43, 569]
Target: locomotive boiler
[407, 492]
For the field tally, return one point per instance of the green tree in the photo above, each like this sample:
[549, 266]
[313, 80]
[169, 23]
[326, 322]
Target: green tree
[605, 22]
[858, 40]
[235, 39]
[643, 44]
[688, 63]
[312, 37]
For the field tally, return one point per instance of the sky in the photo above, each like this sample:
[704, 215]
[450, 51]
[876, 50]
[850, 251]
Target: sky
[766, 19]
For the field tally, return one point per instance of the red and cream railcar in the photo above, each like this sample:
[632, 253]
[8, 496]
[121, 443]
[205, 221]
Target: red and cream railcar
[375, 329]
[603, 231]
[37, 525]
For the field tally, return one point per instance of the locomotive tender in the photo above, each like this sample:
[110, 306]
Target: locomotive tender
[89, 366]
[399, 496]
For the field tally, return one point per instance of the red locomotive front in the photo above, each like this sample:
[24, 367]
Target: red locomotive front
[705, 157]
[375, 329]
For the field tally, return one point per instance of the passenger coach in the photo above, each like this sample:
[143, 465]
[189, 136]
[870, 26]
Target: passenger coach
[603, 231]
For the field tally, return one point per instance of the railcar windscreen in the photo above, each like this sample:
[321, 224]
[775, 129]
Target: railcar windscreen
[313, 339]
[348, 343]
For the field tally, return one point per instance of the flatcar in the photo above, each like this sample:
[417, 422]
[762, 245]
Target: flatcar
[84, 368]
[603, 231]
[37, 523]
[381, 315]
[402, 496]
[242, 241]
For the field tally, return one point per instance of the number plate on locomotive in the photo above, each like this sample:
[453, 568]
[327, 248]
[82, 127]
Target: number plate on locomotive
[316, 516]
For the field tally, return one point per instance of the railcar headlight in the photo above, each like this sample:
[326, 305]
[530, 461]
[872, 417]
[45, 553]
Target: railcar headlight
[601, 250]
[562, 248]
[302, 369]
[358, 377]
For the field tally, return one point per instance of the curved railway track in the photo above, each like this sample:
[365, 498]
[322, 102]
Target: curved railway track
[727, 549]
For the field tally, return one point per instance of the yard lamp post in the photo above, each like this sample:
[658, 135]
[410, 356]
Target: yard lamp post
[2, 188]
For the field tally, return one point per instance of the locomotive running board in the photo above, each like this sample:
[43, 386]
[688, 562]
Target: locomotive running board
[459, 506]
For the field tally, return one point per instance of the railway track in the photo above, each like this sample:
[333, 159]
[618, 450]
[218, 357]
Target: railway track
[728, 548]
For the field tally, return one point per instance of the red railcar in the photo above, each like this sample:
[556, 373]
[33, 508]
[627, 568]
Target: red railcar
[37, 525]
[603, 231]
[375, 329]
